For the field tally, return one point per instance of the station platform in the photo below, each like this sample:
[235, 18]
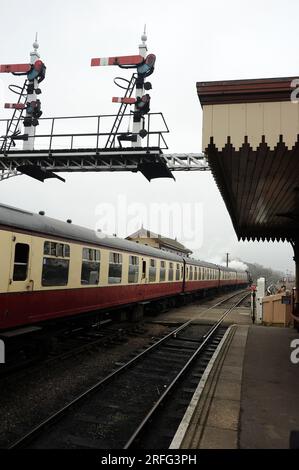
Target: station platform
[248, 397]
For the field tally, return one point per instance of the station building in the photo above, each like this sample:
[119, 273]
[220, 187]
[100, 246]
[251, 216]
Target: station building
[147, 237]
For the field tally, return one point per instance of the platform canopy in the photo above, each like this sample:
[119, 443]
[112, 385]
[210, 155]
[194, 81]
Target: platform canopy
[251, 139]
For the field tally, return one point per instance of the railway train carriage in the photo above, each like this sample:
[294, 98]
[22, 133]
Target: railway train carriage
[52, 269]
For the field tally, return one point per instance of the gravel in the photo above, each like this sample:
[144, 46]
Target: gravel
[30, 396]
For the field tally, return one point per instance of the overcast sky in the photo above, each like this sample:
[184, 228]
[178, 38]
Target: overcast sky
[194, 41]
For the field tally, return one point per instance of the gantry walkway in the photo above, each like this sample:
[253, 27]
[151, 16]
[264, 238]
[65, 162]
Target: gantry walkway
[83, 149]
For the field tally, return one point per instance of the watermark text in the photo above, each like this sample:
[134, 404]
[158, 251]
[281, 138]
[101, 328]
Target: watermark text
[295, 353]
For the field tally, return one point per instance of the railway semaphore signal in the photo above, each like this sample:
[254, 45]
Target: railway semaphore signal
[144, 65]
[28, 101]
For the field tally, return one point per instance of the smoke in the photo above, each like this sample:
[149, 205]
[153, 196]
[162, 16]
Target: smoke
[234, 264]
[238, 265]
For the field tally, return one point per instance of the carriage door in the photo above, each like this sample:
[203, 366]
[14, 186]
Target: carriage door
[143, 272]
[20, 266]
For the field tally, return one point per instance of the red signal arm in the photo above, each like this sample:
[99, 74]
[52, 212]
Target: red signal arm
[115, 99]
[9, 68]
[120, 60]
[15, 105]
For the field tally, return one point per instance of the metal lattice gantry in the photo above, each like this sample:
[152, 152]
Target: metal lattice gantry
[186, 162]
[42, 165]
[63, 146]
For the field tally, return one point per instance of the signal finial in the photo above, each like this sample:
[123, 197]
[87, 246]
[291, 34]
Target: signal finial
[34, 55]
[144, 36]
[35, 44]
[143, 46]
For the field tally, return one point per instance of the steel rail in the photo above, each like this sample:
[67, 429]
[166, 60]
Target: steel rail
[171, 386]
[37, 430]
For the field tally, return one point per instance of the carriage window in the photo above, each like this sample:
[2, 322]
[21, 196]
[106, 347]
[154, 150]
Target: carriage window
[55, 272]
[162, 271]
[55, 268]
[90, 271]
[47, 248]
[115, 268]
[20, 268]
[177, 272]
[152, 271]
[195, 274]
[170, 272]
[59, 250]
[133, 269]
[191, 273]
[199, 273]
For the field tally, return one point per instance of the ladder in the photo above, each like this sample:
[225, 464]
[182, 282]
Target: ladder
[12, 129]
[122, 110]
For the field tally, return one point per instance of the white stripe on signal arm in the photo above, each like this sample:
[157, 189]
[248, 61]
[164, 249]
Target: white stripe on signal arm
[104, 61]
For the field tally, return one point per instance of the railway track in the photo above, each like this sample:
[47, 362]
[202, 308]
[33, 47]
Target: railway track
[116, 412]
[74, 342]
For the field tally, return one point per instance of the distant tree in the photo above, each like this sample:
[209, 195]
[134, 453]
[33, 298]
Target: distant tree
[257, 270]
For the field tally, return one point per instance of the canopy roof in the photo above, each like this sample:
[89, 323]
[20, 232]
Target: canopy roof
[250, 136]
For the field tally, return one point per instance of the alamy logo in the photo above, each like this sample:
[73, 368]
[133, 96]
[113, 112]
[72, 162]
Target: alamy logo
[294, 93]
[2, 352]
[295, 353]
[181, 220]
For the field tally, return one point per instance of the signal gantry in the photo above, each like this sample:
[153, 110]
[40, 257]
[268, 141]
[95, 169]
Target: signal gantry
[44, 154]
